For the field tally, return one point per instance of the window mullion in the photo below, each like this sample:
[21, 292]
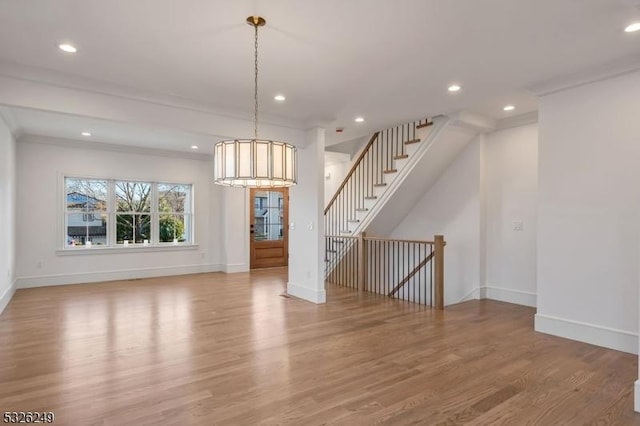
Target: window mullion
[190, 212]
[66, 214]
[111, 212]
[155, 220]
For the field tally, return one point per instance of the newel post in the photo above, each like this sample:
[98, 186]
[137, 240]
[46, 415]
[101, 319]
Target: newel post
[362, 261]
[438, 270]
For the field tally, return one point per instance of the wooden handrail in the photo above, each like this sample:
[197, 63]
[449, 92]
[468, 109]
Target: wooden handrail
[352, 171]
[400, 241]
[412, 273]
[351, 237]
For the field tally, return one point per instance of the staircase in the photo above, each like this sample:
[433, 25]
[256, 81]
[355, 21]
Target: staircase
[386, 179]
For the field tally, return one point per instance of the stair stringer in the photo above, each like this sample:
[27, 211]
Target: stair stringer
[431, 157]
[426, 170]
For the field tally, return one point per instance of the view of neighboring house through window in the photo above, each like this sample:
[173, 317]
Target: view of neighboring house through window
[121, 213]
[268, 214]
[86, 212]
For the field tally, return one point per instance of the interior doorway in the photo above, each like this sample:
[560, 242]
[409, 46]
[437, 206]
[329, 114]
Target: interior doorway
[268, 230]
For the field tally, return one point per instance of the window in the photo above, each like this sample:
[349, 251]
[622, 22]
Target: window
[268, 214]
[174, 210]
[86, 212]
[117, 213]
[133, 212]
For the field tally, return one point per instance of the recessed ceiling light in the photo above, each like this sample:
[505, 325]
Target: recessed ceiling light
[359, 120]
[67, 48]
[194, 146]
[454, 88]
[279, 98]
[509, 108]
[633, 28]
[86, 134]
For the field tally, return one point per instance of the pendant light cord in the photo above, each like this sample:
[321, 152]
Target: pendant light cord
[255, 93]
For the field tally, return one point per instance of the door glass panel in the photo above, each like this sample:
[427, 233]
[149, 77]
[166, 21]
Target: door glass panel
[268, 213]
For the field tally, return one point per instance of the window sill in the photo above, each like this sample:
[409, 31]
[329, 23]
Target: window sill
[80, 251]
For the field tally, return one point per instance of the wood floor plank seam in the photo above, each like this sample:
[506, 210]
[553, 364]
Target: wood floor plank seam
[227, 349]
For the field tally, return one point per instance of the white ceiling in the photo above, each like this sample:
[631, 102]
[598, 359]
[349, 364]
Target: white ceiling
[389, 61]
[64, 126]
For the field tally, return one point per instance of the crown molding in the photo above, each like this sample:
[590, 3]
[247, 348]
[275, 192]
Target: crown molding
[592, 75]
[64, 81]
[518, 120]
[103, 146]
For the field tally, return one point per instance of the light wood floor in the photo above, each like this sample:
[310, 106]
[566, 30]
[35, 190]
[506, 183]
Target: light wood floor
[227, 349]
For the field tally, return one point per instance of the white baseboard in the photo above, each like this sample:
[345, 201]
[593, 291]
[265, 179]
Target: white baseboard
[233, 268]
[312, 295]
[508, 295]
[124, 274]
[5, 298]
[611, 338]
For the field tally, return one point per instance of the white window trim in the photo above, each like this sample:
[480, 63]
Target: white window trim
[73, 251]
[112, 247]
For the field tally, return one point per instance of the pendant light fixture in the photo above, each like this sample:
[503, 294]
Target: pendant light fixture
[254, 163]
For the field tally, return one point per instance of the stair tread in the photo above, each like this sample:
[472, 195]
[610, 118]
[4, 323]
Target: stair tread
[391, 171]
[362, 210]
[346, 231]
[400, 157]
[411, 141]
[353, 220]
[428, 123]
[379, 184]
[332, 251]
[373, 197]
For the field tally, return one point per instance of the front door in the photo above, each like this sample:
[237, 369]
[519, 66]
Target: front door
[268, 228]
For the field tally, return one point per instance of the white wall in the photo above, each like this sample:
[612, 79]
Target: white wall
[488, 186]
[451, 207]
[235, 242]
[510, 196]
[306, 218]
[7, 214]
[40, 168]
[334, 174]
[589, 213]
